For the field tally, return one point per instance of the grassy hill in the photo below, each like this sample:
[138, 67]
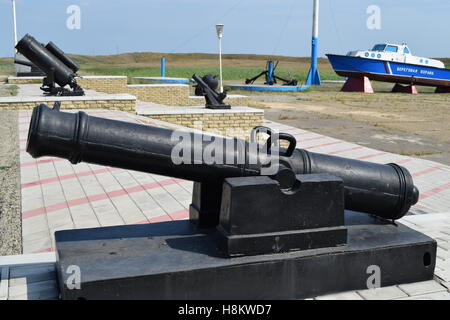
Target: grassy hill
[235, 66]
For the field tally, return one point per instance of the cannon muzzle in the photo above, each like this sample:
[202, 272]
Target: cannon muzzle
[58, 53]
[383, 190]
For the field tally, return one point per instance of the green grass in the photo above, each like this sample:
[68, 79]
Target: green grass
[8, 90]
[6, 67]
[229, 73]
[146, 64]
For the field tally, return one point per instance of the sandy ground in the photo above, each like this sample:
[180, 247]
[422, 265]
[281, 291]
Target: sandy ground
[10, 213]
[413, 125]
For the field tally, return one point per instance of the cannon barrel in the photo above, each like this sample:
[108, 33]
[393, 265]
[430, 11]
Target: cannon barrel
[383, 190]
[45, 60]
[58, 53]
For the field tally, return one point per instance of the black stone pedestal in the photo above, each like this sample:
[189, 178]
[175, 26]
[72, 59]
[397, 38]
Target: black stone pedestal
[175, 260]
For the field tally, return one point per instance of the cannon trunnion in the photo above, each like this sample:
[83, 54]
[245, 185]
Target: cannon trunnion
[265, 222]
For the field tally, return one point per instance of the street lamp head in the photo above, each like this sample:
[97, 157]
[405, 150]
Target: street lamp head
[219, 29]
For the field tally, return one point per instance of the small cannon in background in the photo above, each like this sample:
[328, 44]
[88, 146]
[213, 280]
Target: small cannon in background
[210, 80]
[255, 235]
[58, 67]
[206, 86]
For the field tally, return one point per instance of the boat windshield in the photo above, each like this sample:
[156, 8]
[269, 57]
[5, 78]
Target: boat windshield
[392, 48]
[379, 47]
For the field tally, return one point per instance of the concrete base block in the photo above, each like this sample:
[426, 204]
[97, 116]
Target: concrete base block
[358, 84]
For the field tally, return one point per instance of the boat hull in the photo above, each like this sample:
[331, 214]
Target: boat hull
[389, 71]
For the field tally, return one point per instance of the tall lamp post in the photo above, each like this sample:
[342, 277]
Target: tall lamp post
[14, 25]
[313, 76]
[219, 29]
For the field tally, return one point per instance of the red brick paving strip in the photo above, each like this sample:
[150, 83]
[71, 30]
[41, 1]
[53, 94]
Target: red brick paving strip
[101, 196]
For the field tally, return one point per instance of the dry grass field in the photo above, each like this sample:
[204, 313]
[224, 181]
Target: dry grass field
[236, 67]
[413, 125]
[426, 114]
[416, 125]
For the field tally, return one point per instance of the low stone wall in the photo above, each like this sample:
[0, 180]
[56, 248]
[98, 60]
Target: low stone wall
[232, 99]
[24, 80]
[169, 94]
[175, 95]
[166, 94]
[107, 84]
[116, 102]
[236, 122]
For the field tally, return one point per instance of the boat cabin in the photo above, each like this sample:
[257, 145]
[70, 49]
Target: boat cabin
[396, 53]
[392, 48]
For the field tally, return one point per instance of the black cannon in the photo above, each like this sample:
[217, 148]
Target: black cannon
[57, 66]
[58, 53]
[206, 86]
[265, 222]
[210, 80]
[383, 190]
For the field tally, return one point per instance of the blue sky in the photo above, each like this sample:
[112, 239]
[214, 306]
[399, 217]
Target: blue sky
[281, 27]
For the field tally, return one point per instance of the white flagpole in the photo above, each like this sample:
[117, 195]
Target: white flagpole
[14, 25]
[219, 29]
[220, 64]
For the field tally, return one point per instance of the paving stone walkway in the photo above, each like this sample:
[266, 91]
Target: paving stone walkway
[57, 195]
